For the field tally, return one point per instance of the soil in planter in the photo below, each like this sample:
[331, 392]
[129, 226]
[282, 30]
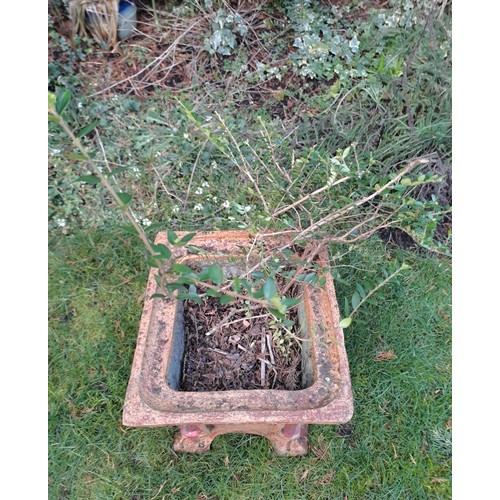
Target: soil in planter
[230, 356]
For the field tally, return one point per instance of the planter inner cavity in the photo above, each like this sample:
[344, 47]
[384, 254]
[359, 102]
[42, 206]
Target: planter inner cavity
[160, 380]
[237, 346]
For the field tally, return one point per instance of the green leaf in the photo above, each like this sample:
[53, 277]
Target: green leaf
[88, 128]
[53, 118]
[171, 287]
[269, 288]
[62, 101]
[52, 101]
[182, 269]
[215, 274]
[225, 299]
[195, 250]
[347, 309]
[76, 156]
[158, 296]
[162, 250]
[277, 314]
[172, 237]
[212, 293]
[346, 322]
[118, 170]
[237, 284]
[404, 266]
[258, 275]
[187, 238]
[361, 290]
[124, 198]
[346, 152]
[129, 229]
[153, 261]
[290, 302]
[89, 179]
[356, 299]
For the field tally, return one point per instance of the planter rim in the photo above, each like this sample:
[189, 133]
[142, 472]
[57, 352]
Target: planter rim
[150, 401]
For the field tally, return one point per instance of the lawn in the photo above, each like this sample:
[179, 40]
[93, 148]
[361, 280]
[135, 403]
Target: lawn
[264, 97]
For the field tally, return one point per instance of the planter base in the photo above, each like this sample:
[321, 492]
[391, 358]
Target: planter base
[287, 440]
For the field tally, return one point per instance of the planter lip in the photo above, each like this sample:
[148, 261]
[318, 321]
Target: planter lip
[150, 401]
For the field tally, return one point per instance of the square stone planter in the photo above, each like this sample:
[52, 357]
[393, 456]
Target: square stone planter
[153, 397]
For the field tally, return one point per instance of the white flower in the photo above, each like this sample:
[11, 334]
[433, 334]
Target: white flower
[186, 136]
[198, 191]
[175, 210]
[146, 222]
[205, 184]
[226, 204]
[80, 105]
[55, 151]
[215, 199]
[247, 209]
[198, 207]
[61, 222]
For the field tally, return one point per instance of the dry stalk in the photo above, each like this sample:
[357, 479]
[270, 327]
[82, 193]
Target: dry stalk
[155, 63]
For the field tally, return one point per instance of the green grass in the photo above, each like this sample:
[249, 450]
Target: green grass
[398, 447]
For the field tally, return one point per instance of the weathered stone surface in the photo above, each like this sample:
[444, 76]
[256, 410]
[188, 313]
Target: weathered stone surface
[152, 402]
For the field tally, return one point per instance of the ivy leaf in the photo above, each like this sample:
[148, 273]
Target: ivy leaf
[269, 288]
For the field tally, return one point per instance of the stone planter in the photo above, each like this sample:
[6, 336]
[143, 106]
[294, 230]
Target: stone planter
[153, 397]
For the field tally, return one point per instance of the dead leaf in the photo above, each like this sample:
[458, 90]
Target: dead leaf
[226, 462]
[439, 480]
[175, 490]
[306, 472]
[384, 356]
[326, 479]
[448, 424]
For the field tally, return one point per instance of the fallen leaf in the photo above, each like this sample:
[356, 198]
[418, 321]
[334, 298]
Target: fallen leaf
[175, 490]
[385, 356]
[306, 472]
[226, 462]
[439, 480]
[448, 424]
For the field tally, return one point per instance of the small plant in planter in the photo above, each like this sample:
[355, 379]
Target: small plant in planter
[255, 313]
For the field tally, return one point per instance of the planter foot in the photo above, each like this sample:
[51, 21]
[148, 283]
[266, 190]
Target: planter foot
[286, 439]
